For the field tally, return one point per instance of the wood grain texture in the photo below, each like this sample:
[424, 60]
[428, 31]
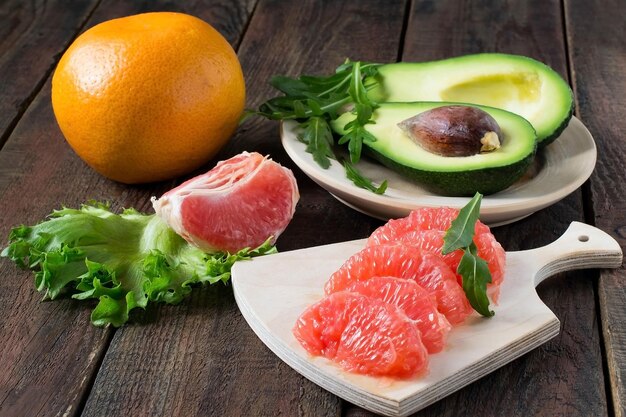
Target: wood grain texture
[32, 37]
[45, 345]
[190, 360]
[50, 351]
[597, 37]
[522, 320]
[440, 29]
[564, 377]
[201, 358]
[227, 17]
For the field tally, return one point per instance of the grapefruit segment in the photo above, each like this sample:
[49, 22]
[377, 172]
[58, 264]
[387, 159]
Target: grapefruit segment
[491, 251]
[403, 261]
[425, 228]
[414, 301]
[363, 335]
[421, 219]
[240, 203]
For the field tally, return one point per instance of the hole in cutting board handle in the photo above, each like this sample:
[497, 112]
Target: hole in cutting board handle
[582, 246]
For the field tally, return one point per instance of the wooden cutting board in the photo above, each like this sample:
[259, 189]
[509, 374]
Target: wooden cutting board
[272, 291]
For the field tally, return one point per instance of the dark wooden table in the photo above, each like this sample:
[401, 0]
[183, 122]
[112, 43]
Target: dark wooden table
[201, 358]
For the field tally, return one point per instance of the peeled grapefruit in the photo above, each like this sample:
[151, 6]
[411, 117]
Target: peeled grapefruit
[240, 203]
[414, 301]
[425, 228]
[403, 261]
[363, 335]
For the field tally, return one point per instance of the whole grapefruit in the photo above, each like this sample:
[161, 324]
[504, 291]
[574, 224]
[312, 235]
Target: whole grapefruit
[148, 97]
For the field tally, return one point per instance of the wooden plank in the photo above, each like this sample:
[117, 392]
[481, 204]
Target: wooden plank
[564, 376]
[201, 357]
[229, 18]
[32, 37]
[597, 37]
[50, 352]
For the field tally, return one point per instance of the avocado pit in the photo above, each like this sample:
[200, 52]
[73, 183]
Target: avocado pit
[454, 130]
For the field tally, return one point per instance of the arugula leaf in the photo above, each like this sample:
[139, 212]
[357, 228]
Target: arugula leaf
[314, 101]
[473, 269]
[319, 140]
[476, 276]
[461, 231]
[360, 181]
[355, 136]
[122, 260]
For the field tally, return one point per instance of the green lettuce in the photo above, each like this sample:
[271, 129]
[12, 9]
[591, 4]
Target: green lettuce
[122, 260]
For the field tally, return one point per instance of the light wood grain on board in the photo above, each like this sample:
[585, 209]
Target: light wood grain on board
[522, 322]
[213, 362]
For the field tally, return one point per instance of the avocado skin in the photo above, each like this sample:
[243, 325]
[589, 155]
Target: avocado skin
[489, 180]
[549, 139]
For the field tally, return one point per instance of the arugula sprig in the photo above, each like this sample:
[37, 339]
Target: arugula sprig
[364, 107]
[315, 101]
[360, 181]
[472, 268]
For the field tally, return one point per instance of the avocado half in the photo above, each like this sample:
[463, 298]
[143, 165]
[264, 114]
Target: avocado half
[486, 173]
[515, 83]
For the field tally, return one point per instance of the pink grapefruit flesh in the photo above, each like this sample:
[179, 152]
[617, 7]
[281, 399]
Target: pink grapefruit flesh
[424, 228]
[414, 301]
[407, 262]
[420, 219]
[363, 335]
[240, 203]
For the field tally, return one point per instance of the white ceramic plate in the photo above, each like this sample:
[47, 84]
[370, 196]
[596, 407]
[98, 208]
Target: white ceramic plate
[558, 170]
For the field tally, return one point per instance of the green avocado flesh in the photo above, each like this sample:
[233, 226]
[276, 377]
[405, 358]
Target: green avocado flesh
[486, 173]
[515, 83]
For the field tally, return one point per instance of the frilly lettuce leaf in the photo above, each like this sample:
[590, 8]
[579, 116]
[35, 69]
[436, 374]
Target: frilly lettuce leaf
[122, 260]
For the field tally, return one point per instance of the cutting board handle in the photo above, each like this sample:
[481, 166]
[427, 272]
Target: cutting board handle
[581, 246]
